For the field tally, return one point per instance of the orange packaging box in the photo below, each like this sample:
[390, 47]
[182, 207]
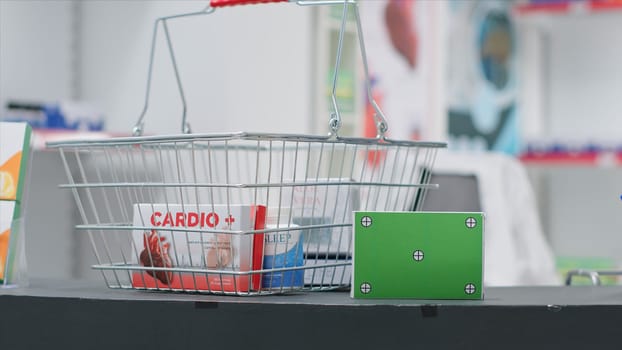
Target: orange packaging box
[14, 151]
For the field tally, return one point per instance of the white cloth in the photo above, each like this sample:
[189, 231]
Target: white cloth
[516, 250]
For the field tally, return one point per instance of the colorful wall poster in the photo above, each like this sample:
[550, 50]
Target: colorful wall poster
[482, 77]
[399, 37]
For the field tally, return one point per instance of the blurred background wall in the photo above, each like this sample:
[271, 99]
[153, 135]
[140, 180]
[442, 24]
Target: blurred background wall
[268, 68]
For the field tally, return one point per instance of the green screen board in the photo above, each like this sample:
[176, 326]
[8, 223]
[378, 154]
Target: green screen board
[420, 255]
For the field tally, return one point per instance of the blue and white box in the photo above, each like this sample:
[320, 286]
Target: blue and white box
[283, 249]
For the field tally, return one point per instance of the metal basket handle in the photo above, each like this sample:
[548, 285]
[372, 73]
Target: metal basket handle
[335, 116]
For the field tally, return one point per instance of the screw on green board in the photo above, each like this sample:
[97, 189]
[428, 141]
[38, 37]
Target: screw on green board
[420, 255]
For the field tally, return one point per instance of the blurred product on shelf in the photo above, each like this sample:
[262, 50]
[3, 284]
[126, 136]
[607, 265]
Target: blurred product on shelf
[65, 115]
[566, 6]
[556, 151]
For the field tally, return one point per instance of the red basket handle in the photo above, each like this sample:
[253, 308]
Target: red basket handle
[224, 3]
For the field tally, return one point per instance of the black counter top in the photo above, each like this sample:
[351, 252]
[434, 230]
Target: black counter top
[84, 314]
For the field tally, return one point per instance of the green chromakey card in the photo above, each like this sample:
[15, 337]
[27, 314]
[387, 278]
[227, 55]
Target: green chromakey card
[418, 255]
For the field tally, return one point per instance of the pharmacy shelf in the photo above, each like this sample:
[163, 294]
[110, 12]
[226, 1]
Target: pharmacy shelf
[587, 159]
[42, 136]
[86, 314]
[568, 7]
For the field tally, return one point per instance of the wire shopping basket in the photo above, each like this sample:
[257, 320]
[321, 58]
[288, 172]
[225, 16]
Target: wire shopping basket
[238, 213]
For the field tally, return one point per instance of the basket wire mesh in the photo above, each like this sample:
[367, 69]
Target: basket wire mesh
[237, 213]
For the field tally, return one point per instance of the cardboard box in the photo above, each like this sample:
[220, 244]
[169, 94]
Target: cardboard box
[419, 255]
[165, 244]
[283, 248]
